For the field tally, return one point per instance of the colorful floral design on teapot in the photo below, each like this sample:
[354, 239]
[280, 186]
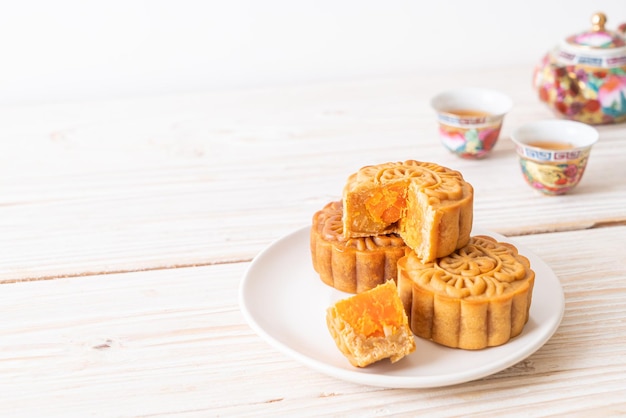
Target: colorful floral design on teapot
[594, 97]
[596, 39]
[584, 79]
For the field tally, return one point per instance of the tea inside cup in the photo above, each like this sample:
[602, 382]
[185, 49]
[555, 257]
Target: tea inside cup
[553, 154]
[470, 119]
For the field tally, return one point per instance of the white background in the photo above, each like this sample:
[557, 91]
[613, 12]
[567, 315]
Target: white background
[68, 50]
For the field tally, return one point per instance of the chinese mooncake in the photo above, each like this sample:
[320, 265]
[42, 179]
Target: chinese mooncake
[477, 297]
[352, 265]
[429, 206]
[371, 326]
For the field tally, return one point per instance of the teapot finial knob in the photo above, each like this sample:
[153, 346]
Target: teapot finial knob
[598, 20]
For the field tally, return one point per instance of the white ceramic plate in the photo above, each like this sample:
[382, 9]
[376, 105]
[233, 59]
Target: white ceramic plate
[285, 302]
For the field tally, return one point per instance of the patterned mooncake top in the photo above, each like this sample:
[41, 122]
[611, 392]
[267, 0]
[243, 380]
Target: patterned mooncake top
[329, 224]
[483, 268]
[436, 181]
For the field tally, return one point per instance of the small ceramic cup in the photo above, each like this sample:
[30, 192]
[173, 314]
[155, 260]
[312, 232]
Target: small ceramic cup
[470, 119]
[553, 154]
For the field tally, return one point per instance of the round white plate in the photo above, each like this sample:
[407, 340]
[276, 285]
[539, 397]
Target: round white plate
[285, 302]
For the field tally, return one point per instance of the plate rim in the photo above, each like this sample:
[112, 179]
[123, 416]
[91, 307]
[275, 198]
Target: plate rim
[384, 380]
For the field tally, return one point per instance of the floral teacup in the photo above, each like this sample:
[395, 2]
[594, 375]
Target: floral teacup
[553, 154]
[470, 120]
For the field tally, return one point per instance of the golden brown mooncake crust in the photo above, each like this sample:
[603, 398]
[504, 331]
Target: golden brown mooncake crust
[477, 297]
[351, 265]
[429, 206]
[371, 326]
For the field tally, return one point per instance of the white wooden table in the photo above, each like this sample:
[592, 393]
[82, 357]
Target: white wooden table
[126, 227]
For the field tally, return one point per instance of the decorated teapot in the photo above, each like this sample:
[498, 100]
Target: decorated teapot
[584, 77]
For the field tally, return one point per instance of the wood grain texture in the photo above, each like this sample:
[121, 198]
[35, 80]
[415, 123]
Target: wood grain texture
[126, 227]
[213, 178]
[173, 342]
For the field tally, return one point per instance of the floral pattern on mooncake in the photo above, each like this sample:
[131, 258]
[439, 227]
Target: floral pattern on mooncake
[477, 297]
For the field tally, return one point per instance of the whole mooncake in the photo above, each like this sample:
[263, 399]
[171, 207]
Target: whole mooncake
[477, 297]
[352, 265]
[429, 206]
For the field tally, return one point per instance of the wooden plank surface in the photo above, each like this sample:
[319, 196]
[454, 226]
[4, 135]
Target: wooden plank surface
[213, 178]
[126, 226]
[173, 342]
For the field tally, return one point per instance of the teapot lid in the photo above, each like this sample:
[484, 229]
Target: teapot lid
[598, 48]
[598, 38]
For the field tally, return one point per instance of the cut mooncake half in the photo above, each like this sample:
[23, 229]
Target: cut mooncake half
[430, 206]
[352, 265]
[371, 326]
[477, 297]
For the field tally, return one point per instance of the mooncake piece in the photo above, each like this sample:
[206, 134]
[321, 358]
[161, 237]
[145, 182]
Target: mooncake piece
[371, 326]
[429, 206]
[477, 297]
[352, 265]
